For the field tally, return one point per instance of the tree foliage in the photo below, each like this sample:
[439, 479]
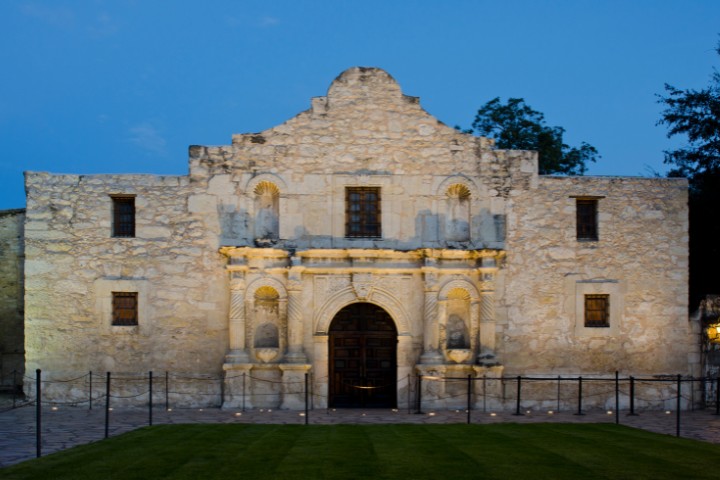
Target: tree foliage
[695, 115]
[516, 126]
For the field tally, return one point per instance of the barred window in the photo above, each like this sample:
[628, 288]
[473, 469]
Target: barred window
[597, 310]
[124, 308]
[362, 212]
[587, 227]
[123, 216]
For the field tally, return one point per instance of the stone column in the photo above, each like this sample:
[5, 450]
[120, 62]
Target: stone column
[295, 318]
[282, 327]
[487, 312]
[475, 325]
[236, 322]
[431, 349]
[487, 323]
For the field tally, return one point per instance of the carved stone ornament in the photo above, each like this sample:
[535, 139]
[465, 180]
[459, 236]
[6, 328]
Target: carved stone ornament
[266, 355]
[362, 284]
[459, 355]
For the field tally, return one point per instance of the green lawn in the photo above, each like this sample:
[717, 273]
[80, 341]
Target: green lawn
[453, 452]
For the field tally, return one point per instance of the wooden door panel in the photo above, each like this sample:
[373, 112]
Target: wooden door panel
[363, 352]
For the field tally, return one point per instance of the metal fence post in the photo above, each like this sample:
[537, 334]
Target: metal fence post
[107, 405]
[38, 412]
[679, 397]
[579, 411]
[617, 397]
[469, 397]
[558, 395]
[243, 396]
[306, 399]
[484, 393]
[167, 391]
[418, 397]
[692, 394]
[717, 395]
[222, 392]
[90, 390]
[517, 401]
[409, 395]
[150, 399]
[14, 390]
[632, 397]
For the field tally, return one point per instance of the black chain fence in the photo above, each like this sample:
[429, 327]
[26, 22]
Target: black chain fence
[520, 394]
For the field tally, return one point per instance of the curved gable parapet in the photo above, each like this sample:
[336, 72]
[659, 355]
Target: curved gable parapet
[358, 92]
[365, 122]
[364, 84]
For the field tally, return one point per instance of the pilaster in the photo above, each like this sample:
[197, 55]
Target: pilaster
[295, 317]
[431, 333]
[236, 321]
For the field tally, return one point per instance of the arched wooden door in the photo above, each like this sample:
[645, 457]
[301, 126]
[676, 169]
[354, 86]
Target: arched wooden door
[363, 358]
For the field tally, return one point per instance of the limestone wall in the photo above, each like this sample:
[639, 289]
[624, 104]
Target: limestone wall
[11, 296]
[311, 213]
[365, 132]
[73, 265]
[364, 125]
[640, 260]
[241, 266]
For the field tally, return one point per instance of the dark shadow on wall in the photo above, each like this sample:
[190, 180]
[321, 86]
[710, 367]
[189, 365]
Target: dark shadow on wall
[486, 231]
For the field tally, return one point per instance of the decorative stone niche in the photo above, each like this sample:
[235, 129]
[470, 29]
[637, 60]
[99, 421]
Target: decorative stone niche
[458, 343]
[266, 319]
[267, 211]
[457, 226]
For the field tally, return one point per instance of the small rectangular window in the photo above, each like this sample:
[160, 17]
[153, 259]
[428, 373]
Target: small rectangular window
[123, 216]
[587, 227]
[362, 212]
[597, 310]
[124, 308]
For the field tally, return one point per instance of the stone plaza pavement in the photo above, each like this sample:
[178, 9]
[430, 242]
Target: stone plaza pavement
[65, 427]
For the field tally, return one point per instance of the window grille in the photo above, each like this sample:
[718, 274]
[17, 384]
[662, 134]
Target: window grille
[362, 212]
[587, 227]
[123, 216]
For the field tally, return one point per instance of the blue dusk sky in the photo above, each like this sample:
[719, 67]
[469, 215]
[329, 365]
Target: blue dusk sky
[125, 86]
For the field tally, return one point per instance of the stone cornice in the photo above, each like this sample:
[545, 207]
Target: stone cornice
[387, 261]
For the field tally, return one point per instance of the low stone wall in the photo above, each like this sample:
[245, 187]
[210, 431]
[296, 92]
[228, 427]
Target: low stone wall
[441, 387]
[128, 389]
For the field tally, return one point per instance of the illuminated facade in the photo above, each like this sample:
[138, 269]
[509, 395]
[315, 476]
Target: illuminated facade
[362, 242]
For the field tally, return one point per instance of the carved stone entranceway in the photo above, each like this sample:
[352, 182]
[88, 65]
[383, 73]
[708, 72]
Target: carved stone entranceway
[363, 358]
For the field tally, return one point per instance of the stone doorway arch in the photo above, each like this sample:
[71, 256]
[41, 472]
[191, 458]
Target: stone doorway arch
[362, 358]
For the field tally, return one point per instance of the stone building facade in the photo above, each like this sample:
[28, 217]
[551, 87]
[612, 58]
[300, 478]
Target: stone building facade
[12, 358]
[362, 242]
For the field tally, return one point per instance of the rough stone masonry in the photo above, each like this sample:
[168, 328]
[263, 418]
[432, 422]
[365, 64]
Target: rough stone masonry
[362, 242]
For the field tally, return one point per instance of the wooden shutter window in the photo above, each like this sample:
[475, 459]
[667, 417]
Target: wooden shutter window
[124, 308]
[597, 310]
